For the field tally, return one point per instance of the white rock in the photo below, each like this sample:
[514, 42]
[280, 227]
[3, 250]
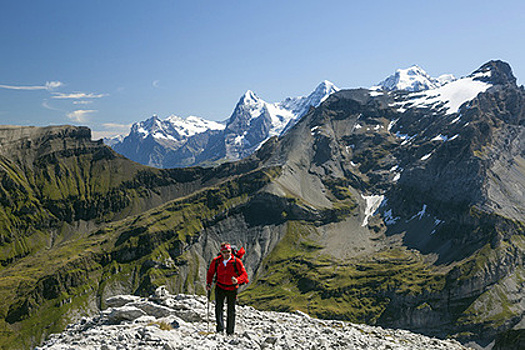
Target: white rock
[112, 329]
[153, 309]
[121, 300]
[125, 313]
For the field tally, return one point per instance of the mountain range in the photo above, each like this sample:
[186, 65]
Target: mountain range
[178, 142]
[401, 209]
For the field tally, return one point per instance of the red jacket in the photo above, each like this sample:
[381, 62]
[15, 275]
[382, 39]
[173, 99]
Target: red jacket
[225, 273]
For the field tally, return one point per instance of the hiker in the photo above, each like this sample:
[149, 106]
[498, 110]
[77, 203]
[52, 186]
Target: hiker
[230, 273]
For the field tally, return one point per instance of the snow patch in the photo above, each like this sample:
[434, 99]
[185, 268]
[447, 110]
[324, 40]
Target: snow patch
[391, 124]
[312, 130]
[372, 204]
[426, 156]
[410, 79]
[420, 213]
[440, 138]
[389, 218]
[456, 120]
[450, 96]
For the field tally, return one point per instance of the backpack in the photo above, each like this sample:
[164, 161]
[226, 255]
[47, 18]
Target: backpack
[236, 254]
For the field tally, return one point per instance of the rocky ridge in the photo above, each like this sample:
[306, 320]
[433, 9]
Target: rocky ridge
[172, 322]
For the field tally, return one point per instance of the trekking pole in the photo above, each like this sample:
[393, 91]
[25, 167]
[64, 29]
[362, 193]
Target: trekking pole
[208, 311]
[207, 332]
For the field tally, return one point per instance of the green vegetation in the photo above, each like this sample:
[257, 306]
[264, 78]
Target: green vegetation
[41, 292]
[298, 277]
[492, 307]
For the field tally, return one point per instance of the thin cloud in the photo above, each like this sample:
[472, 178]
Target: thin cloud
[77, 95]
[115, 126]
[46, 105]
[82, 102]
[49, 85]
[80, 115]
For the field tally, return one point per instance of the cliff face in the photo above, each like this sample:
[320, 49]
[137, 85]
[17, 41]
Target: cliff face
[390, 208]
[55, 182]
[435, 243]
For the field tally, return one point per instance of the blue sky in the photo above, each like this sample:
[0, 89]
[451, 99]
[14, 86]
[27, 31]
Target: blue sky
[107, 64]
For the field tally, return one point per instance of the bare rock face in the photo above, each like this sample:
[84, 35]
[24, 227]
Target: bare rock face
[25, 144]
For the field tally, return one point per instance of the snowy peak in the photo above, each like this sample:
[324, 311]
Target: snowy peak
[299, 106]
[412, 79]
[280, 114]
[325, 88]
[112, 141]
[173, 128]
[249, 98]
[451, 96]
[147, 127]
[250, 102]
[321, 93]
[192, 125]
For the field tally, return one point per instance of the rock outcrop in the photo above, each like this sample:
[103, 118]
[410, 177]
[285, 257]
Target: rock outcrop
[183, 325]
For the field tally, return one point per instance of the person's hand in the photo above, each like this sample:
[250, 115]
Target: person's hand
[208, 287]
[235, 280]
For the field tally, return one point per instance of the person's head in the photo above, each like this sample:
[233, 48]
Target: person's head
[226, 250]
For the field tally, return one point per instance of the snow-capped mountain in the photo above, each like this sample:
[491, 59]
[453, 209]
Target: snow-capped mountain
[448, 97]
[150, 141]
[176, 142]
[300, 105]
[412, 79]
[112, 141]
[174, 128]
[254, 121]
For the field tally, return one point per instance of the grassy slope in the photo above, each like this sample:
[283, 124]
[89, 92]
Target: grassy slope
[298, 277]
[39, 293]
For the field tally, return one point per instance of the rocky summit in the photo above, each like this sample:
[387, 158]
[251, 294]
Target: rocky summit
[179, 322]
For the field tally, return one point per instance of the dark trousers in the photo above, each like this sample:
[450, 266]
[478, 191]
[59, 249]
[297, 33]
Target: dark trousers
[231, 296]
